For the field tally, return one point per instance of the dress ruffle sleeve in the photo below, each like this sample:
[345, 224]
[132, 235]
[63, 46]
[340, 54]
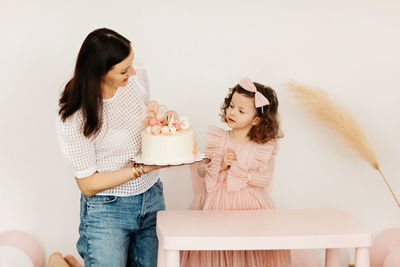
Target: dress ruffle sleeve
[238, 176]
[260, 171]
[214, 144]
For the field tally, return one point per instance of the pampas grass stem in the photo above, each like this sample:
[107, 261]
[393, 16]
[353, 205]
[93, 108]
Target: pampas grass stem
[340, 120]
[387, 184]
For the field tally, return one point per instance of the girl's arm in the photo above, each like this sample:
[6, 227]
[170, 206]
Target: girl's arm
[214, 142]
[100, 181]
[211, 173]
[240, 176]
[259, 173]
[226, 162]
[261, 179]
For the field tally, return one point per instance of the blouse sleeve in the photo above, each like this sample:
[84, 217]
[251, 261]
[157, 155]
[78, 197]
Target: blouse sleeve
[259, 173]
[214, 143]
[78, 150]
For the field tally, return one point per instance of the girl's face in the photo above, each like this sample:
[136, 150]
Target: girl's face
[119, 74]
[241, 113]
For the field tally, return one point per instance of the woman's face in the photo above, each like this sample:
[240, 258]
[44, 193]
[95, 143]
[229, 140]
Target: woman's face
[119, 74]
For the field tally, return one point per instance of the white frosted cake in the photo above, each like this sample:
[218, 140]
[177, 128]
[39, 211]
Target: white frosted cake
[167, 138]
[169, 148]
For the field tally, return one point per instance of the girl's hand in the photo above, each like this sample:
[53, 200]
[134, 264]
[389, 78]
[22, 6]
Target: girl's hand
[228, 159]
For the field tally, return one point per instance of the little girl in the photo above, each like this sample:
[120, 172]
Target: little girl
[238, 173]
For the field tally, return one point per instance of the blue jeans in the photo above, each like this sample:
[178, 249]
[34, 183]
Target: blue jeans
[120, 231]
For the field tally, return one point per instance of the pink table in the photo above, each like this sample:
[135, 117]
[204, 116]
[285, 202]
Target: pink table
[330, 229]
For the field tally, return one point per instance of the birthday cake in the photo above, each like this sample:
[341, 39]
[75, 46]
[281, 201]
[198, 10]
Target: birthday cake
[167, 137]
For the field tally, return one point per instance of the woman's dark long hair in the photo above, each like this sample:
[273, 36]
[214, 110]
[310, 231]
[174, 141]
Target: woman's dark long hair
[100, 51]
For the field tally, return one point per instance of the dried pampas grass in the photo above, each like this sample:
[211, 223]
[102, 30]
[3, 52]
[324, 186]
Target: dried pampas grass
[339, 119]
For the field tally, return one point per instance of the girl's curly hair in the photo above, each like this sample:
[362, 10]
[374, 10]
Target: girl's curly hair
[268, 127]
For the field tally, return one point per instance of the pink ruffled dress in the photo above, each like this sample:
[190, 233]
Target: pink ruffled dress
[244, 186]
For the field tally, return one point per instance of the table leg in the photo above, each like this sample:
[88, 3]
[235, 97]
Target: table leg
[172, 258]
[332, 257]
[161, 257]
[362, 257]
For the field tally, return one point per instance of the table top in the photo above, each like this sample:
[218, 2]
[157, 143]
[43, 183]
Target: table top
[260, 229]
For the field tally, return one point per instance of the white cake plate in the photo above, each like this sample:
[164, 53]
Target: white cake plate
[138, 159]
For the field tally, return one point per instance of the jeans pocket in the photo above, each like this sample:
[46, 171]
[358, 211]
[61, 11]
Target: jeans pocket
[100, 200]
[159, 186]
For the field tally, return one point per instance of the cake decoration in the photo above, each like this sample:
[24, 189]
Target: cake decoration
[161, 121]
[166, 137]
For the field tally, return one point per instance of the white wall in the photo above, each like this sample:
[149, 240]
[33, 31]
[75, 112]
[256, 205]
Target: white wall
[194, 52]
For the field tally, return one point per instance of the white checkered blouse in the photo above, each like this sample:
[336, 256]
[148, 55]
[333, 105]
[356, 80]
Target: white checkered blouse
[118, 140]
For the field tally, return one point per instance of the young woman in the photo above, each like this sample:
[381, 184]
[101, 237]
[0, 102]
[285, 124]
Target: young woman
[99, 130]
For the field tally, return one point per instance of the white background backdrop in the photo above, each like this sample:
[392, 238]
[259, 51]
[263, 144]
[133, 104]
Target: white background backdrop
[194, 51]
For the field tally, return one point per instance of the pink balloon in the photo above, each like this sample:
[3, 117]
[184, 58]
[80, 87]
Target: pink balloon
[393, 258]
[26, 243]
[304, 258]
[382, 245]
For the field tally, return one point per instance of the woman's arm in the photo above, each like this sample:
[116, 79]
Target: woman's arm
[100, 181]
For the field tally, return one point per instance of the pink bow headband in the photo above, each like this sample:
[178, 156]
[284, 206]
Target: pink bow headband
[259, 99]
